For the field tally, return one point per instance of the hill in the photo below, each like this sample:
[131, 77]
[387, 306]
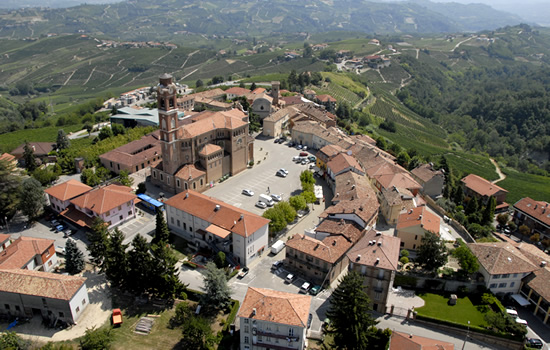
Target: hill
[143, 20]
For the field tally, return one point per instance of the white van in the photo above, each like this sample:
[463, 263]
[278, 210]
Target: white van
[266, 199]
[277, 247]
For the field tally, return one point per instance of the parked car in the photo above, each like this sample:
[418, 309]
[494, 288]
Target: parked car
[281, 140]
[59, 228]
[315, 290]
[521, 321]
[280, 173]
[68, 232]
[54, 223]
[289, 278]
[309, 319]
[305, 287]
[248, 192]
[296, 158]
[299, 146]
[290, 144]
[534, 343]
[243, 272]
[277, 264]
[304, 161]
[304, 154]
[304, 148]
[284, 170]
[312, 158]
[512, 312]
[261, 205]
[276, 197]
[276, 141]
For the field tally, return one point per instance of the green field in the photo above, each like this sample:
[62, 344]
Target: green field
[12, 140]
[521, 185]
[437, 307]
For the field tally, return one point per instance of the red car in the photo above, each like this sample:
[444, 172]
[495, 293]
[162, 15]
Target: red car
[304, 154]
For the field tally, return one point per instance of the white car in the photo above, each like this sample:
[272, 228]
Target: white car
[299, 147]
[521, 321]
[248, 192]
[281, 174]
[304, 148]
[284, 170]
[276, 197]
[305, 287]
[261, 205]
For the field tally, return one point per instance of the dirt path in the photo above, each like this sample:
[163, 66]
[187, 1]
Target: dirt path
[501, 176]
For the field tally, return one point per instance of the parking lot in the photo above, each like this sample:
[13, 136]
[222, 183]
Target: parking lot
[261, 177]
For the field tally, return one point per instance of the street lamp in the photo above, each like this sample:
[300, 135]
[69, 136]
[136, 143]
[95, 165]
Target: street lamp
[467, 333]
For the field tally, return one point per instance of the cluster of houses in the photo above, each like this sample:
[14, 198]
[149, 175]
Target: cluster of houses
[134, 44]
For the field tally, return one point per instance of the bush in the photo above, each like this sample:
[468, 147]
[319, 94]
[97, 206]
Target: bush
[406, 281]
[404, 253]
[404, 260]
[96, 339]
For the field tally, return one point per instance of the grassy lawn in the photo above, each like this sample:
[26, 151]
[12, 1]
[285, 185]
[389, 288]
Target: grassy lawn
[437, 306]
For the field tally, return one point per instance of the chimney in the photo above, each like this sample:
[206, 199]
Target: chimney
[241, 217]
[358, 257]
[543, 264]
[379, 243]
[187, 195]
[217, 207]
[334, 242]
[378, 233]
[254, 312]
[419, 217]
[377, 261]
[410, 335]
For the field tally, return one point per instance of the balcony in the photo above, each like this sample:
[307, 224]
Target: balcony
[274, 335]
[286, 343]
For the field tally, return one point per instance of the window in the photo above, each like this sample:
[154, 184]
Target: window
[154, 174]
[502, 285]
[246, 330]
[78, 309]
[172, 220]
[493, 285]
[130, 213]
[496, 276]
[414, 246]
[178, 182]
[377, 295]
[506, 275]
[108, 213]
[194, 185]
[246, 320]
[44, 302]
[137, 168]
[83, 301]
[111, 164]
[120, 217]
[291, 332]
[61, 314]
[363, 269]
[185, 228]
[246, 341]
[50, 263]
[415, 237]
[512, 284]
[178, 223]
[118, 166]
[17, 308]
[201, 182]
[7, 306]
[161, 179]
[402, 244]
[515, 275]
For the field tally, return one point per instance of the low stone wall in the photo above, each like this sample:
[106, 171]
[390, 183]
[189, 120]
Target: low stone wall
[461, 230]
[501, 343]
[436, 283]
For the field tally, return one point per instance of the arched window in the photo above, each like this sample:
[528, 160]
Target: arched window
[185, 185]
[201, 182]
[163, 124]
[173, 123]
[194, 185]
[171, 102]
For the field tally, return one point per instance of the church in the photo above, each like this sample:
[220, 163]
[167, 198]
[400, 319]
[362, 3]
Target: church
[200, 149]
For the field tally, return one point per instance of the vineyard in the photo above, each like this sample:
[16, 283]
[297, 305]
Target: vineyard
[339, 93]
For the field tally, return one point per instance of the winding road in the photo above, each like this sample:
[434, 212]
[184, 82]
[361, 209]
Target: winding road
[501, 176]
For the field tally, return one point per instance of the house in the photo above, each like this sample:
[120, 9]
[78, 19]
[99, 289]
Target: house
[315, 136]
[198, 151]
[394, 201]
[114, 204]
[533, 214]
[535, 288]
[60, 195]
[320, 256]
[9, 159]
[431, 180]
[206, 222]
[476, 186]
[134, 156]
[36, 254]
[502, 265]
[350, 186]
[376, 257]
[25, 293]
[262, 105]
[326, 153]
[310, 111]
[309, 94]
[41, 151]
[404, 341]
[277, 123]
[235, 91]
[5, 241]
[326, 100]
[271, 319]
[413, 225]
[340, 164]
[374, 42]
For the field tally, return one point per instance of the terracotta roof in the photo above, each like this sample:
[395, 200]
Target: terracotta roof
[532, 253]
[68, 190]
[218, 120]
[372, 247]
[501, 258]
[330, 135]
[258, 90]
[318, 114]
[331, 150]
[366, 139]
[41, 284]
[425, 172]
[396, 196]
[77, 217]
[135, 152]
[399, 180]
[419, 216]
[217, 92]
[274, 306]
[235, 90]
[350, 186]
[282, 113]
[101, 200]
[7, 157]
[342, 236]
[22, 250]
[342, 161]
[481, 186]
[539, 281]
[539, 211]
[40, 149]
[227, 217]
[403, 341]
[292, 100]
[4, 238]
[209, 149]
[325, 98]
[189, 172]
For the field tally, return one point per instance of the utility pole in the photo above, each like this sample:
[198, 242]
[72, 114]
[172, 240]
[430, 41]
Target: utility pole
[467, 334]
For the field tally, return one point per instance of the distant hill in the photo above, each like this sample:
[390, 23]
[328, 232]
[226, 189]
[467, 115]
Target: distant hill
[168, 19]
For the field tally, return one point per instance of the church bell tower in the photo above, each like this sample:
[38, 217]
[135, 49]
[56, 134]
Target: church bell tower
[168, 120]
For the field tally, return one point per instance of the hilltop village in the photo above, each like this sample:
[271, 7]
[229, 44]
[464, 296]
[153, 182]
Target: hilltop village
[291, 212]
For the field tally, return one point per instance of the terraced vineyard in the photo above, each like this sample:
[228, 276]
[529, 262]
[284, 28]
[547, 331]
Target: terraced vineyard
[339, 93]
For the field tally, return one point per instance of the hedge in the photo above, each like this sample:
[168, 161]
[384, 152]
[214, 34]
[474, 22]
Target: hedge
[471, 328]
[232, 315]
[407, 281]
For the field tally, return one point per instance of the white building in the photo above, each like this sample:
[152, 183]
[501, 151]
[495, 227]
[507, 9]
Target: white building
[271, 319]
[208, 222]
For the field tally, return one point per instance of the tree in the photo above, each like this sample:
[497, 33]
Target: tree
[141, 188]
[199, 83]
[105, 133]
[140, 266]
[404, 252]
[124, 179]
[288, 211]
[12, 341]
[489, 211]
[219, 260]
[28, 157]
[98, 238]
[9, 195]
[116, 259]
[197, 334]
[118, 129]
[352, 324]
[466, 259]
[162, 233]
[31, 198]
[458, 195]
[74, 259]
[307, 177]
[96, 339]
[472, 206]
[89, 177]
[432, 253]
[217, 293]
[277, 217]
[524, 230]
[88, 127]
[309, 196]
[165, 283]
[535, 238]
[62, 140]
[502, 219]
[298, 202]
[403, 159]
[253, 86]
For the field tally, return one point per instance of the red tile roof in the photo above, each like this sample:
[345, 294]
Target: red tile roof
[481, 186]
[380, 251]
[331, 150]
[277, 307]
[135, 152]
[4, 238]
[425, 172]
[227, 216]
[419, 216]
[209, 149]
[68, 190]
[7, 157]
[235, 90]
[218, 120]
[342, 161]
[501, 258]
[539, 211]
[40, 149]
[399, 180]
[325, 98]
[41, 284]
[539, 281]
[101, 200]
[403, 341]
[22, 250]
[189, 172]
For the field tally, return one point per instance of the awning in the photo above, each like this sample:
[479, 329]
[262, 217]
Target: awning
[520, 300]
[218, 231]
